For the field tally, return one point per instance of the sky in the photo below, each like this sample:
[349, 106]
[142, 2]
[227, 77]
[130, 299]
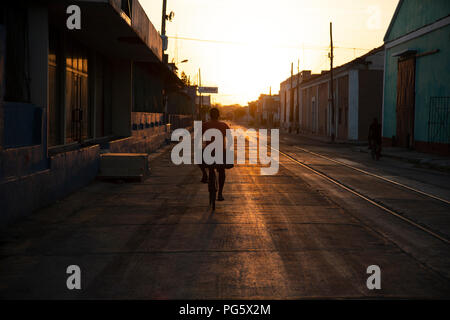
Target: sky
[246, 47]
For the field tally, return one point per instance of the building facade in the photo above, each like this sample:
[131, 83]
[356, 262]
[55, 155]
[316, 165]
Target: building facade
[290, 100]
[69, 95]
[267, 109]
[416, 105]
[357, 91]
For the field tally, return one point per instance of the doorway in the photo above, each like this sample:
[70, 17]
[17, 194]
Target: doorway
[405, 101]
[314, 115]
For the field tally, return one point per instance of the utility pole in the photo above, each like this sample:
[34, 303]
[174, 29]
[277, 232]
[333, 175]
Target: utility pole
[199, 85]
[163, 20]
[164, 39]
[333, 122]
[297, 90]
[292, 72]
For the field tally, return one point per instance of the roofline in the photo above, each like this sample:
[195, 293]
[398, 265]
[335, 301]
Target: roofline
[394, 17]
[296, 75]
[343, 67]
[338, 68]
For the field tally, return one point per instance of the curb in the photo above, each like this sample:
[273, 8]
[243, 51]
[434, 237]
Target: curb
[421, 162]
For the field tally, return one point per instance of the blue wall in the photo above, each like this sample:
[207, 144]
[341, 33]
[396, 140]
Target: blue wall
[23, 122]
[414, 14]
[69, 171]
[432, 79]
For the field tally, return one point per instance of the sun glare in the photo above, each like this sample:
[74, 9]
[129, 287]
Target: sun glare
[246, 47]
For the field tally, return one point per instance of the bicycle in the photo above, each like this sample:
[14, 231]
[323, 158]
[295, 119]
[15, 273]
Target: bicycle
[213, 186]
[375, 150]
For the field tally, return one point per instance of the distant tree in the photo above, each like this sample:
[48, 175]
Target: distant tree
[228, 116]
[239, 113]
[185, 79]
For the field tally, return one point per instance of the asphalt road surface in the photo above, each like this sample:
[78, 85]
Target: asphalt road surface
[292, 235]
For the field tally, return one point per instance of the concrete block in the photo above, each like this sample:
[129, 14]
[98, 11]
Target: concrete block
[124, 165]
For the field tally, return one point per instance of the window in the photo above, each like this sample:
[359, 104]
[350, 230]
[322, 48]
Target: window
[55, 119]
[17, 75]
[78, 115]
[103, 96]
[147, 88]
[22, 121]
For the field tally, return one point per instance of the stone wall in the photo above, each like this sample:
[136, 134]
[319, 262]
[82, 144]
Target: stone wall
[67, 172]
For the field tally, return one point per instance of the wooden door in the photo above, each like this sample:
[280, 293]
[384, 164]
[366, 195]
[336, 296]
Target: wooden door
[342, 104]
[405, 102]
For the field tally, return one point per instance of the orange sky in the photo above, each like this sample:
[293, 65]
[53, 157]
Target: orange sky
[250, 44]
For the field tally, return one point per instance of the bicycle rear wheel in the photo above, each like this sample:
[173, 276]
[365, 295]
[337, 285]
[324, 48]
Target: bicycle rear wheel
[212, 200]
[212, 187]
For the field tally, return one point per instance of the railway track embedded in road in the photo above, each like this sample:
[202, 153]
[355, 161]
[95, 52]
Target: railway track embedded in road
[376, 176]
[365, 197]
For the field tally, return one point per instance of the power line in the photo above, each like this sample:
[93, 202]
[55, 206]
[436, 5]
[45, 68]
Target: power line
[307, 47]
[323, 61]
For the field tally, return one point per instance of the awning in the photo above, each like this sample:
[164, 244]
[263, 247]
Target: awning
[406, 52]
[108, 30]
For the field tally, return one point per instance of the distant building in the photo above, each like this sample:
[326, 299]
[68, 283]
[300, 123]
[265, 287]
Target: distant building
[203, 101]
[357, 86]
[416, 106]
[267, 109]
[180, 97]
[289, 100]
[252, 110]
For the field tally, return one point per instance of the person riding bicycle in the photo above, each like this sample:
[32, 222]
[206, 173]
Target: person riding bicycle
[214, 123]
[375, 139]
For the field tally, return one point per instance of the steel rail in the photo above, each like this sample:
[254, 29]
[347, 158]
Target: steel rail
[376, 176]
[360, 195]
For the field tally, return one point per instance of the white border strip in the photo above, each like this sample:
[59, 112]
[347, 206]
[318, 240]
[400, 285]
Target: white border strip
[415, 34]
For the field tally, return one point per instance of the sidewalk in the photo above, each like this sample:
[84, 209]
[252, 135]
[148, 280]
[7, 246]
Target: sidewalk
[424, 159]
[428, 160]
[325, 139]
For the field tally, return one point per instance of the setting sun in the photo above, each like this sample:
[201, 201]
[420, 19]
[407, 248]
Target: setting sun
[247, 47]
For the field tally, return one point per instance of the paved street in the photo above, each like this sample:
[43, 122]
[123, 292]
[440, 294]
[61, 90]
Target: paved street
[288, 236]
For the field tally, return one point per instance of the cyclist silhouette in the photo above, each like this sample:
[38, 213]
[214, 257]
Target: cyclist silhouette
[375, 139]
[214, 123]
